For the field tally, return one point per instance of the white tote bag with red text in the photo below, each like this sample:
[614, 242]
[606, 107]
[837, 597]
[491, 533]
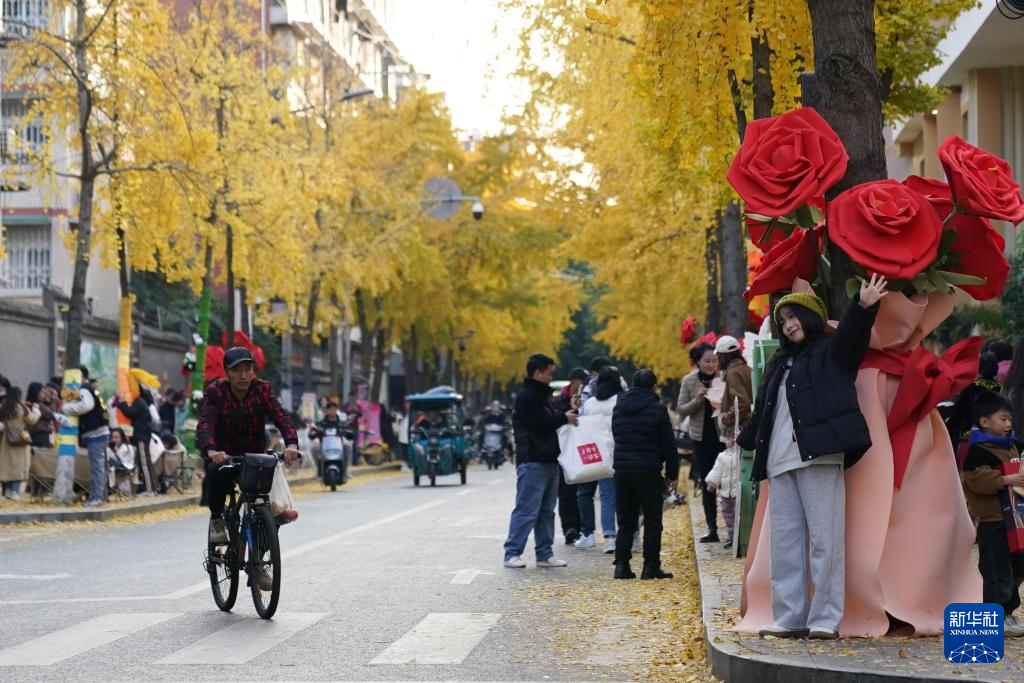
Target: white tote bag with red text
[588, 449]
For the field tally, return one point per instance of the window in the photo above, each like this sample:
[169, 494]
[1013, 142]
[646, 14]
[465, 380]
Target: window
[19, 16]
[27, 264]
[29, 135]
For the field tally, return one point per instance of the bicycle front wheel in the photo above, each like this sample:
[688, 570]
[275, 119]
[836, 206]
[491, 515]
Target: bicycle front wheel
[264, 562]
[222, 565]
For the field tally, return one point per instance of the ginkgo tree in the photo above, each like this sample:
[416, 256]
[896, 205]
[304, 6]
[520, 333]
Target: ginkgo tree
[648, 101]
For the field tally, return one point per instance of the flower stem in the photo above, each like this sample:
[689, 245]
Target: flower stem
[956, 212]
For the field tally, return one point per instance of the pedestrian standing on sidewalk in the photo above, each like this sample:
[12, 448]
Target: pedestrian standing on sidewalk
[739, 390]
[16, 418]
[42, 431]
[802, 444]
[606, 394]
[568, 509]
[724, 480]
[703, 429]
[93, 434]
[993, 443]
[536, 435]
[644, 446]
[142, 432]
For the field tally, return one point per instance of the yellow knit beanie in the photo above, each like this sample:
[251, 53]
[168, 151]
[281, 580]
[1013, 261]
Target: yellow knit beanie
[811, 302]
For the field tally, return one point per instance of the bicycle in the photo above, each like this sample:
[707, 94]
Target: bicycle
[252, 538]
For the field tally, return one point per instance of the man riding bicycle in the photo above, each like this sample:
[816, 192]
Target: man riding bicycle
[233, 420]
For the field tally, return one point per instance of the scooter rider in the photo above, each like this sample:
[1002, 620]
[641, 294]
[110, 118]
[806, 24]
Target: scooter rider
[495, 416]
[332, 420]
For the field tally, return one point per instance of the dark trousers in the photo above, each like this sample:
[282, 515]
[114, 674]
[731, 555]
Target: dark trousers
[568, 509]
[220, 482]
[1002, 572]
[636, 492]
[705, 452]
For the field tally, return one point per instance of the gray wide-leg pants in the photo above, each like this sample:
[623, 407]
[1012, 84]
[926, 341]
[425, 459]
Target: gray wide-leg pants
[808, 504]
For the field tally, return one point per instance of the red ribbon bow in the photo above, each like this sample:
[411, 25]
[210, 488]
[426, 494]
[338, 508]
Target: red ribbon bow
[927, 379]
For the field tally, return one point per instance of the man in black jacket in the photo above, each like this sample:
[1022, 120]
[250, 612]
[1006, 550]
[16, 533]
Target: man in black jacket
[536, 426]
[644, 445]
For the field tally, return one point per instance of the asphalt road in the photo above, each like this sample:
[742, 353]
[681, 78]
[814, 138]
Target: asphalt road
[382, 581]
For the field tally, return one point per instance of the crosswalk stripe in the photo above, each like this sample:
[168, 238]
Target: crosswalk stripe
[439, 638]
[74, 640]
[244, 640]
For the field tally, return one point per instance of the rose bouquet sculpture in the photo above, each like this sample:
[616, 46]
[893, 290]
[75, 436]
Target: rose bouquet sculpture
[908, 533]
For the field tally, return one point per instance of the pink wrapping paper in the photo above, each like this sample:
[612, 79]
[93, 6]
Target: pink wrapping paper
[908, 551]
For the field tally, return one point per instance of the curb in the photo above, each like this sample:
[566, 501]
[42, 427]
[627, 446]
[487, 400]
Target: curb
[730, 664]
[10, 518]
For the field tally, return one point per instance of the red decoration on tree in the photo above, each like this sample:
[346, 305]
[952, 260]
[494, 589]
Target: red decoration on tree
[688, 331]
[787, 161]
[885, 227]
[796, 257]
[981, 182]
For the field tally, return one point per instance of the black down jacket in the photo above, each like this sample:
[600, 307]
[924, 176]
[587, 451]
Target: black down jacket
[643, 434]
[536, 424]
[821, 395]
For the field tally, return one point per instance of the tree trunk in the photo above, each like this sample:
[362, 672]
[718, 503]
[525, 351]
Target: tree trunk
[380, 351]
[229, 252]
[245, 318]
[335, 366]
[307, 339]
[734, 270]
[713, 317]
[848, 94]
[365, 335]
[764, 93]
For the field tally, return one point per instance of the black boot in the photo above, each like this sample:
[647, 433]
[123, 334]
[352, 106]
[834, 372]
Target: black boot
[711, 537]
[653, 571]
[622, 571]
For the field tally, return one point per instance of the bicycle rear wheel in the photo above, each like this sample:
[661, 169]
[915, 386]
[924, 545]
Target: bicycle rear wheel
[264, 562]
[222, 566]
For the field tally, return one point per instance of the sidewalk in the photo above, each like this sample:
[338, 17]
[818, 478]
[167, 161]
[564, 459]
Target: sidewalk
[21, 512]
[746, 657]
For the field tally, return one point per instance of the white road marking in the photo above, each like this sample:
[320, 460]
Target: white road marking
[33, 577]
[82, 637]
[440, 638]
[243, 641]
[466, 576]
[313, 545]
[465, 493]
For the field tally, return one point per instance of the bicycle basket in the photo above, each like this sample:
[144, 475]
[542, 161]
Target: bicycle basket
[257, 473]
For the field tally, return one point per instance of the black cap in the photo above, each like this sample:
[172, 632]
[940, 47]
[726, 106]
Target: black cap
[236, 355]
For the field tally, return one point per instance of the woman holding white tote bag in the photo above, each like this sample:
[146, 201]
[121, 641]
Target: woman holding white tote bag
[602, 403]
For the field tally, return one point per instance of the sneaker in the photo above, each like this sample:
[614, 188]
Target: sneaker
[552, 562]
[93, 503]
[264, 581]
[587, 541]
[823, 634]
[773, 631]
[570, 536]
[711, 537]
[515, 563]
[609, 545]
[1012, 628]
[12, 495]
[218, 532]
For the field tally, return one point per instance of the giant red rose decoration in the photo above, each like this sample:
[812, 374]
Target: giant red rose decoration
[796, 257]
[786, 161]
[885, 227]
[978, 245]
[982, 183]
[762, 238]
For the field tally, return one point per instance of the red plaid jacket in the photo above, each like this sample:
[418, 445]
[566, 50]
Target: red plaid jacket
[239, 426]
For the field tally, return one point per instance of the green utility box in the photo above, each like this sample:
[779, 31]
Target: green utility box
[764, 349]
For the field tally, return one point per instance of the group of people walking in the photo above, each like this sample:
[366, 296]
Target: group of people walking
[646, 465]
